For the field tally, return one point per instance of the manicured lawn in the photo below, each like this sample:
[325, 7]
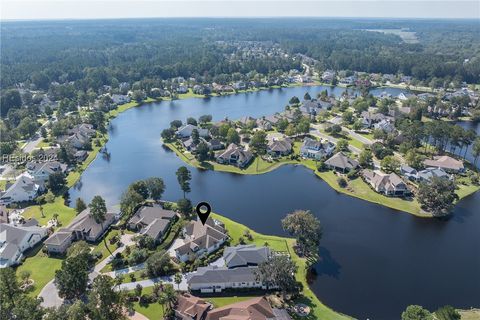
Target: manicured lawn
[43, 144]
[219, 302]
[152, 311]
[3, 183]
[65, 214]
[100, 246]
[42, 268]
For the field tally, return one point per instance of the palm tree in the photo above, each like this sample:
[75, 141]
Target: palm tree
[178, 279]
[98, 211]
[170, 296]
[162, 300]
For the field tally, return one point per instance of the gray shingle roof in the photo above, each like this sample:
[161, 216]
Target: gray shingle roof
[244, 255]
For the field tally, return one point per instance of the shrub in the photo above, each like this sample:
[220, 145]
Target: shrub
[342, 182]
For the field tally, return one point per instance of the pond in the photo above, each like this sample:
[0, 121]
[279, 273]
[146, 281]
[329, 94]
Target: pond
[374, 261]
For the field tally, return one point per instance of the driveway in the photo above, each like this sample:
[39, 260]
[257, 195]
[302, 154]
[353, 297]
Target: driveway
[176, 244]
[50, 297]
[127, 240]
[151, 282]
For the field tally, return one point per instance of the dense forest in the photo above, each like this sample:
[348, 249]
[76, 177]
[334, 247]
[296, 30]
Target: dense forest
[102, 52]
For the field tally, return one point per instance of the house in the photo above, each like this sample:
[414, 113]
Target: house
[189, 145]
[189, 307]
[244, 121]
[328, 75]
[85, 129]
[385, 125]
[427, 174]
[446, 163]
[245, 255]
[406, 95]
[253, 309]
[341, 163]
[370, 118]
[181, 89]
[215, 144]
[314, 149]
[81, 155]
[408, 172]
[152, 221]
[83, 227]
[387, 184]
[216, 279]
[201, 239]
[40, 171]
[120, 99]
[279, 148]
[24, 189]
[273, 119]
[185, 131]
[263, 124]
[235, 155]
[15, 240]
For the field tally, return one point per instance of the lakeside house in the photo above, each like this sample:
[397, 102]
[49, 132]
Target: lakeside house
[235, 155]
[153, 221]
[15, 240]
[341, 162]
[241, 264]
[371, 118]
[278, 148]
[23, 189]
[119, 99]
[82, 227]
[201, 239]
[185, 131]
[446, 163]
[314, 149]
[40, 171]
[388, 184]
[425, 175]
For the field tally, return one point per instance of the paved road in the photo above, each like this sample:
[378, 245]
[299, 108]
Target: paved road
[33, 142]
[49, 293]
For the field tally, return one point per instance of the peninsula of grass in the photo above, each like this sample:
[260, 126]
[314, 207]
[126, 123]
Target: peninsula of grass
[356, 187]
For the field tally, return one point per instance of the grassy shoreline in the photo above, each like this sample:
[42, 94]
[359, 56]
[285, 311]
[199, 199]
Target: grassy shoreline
[356, 187]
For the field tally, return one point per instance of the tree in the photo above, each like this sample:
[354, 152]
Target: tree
[206, 118]
[195, 136]
[9, 291]
[168, 135]
[72, 278]
[390, 164]
[158, 264]
[278, 271]
[303, 126]
[438, 196]
[10, 99]
[306, 229]
[176, 124]
[98, 211]
[178, 279]
[57, 183]
[290, 131]
[282, 124]
[414, 159]
[294, 100]
[192, 121]
[342, 145]
[347, 117]
[447, 313]
[104, 302]
[415, 312]
[335, 129]
[155, 187]
[366, 158]
[307, 96]
[80, 205]
[259, 142]
[129, 201]
[232, 136]
[476, 150]
[184, 206]
[202, 151]
[183, 177]
[141, 188]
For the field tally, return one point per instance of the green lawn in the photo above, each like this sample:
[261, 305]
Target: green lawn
[65, 214]
[152, 311]
[42, 268]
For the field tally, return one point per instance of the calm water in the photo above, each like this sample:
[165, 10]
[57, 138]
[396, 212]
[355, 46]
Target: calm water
[375, 261]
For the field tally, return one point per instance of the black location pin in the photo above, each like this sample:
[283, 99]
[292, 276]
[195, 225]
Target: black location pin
[203, 210]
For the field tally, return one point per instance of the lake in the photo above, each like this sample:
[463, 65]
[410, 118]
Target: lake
[375, 260]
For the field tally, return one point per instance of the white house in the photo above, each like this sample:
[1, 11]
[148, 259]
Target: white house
[15, 240]
[40, 171]
[24, 189]
[185, 131]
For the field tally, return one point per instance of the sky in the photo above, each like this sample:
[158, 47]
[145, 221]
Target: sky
[93, 9]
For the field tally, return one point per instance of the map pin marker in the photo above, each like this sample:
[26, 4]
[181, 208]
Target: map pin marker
[203, 210]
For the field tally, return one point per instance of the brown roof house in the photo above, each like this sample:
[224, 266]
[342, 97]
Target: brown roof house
[446, 163]
[153, 221]
[201, 239]
[189, 307]
[341, 162]
[235, 155]
[279, 148]
[252, 309]
[387, 184]
[83, 227]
